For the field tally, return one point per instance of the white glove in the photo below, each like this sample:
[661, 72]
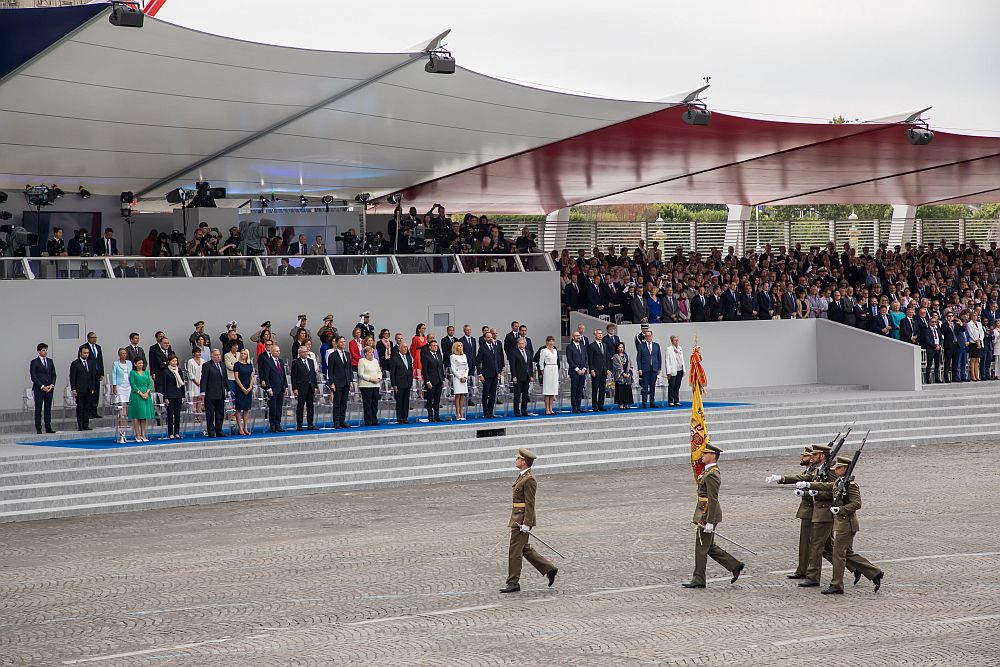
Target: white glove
[801, 485]
[708, 528]
[771, 479]
[835, 510]
[800, 492]
[525, 528]
[813, 492]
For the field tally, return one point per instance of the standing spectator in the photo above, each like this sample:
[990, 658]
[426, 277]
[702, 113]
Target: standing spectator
[548, 368]
[43, 383]
[304, 388]
[896, 317]
[880, 323]
[193, 368]
[356, 348]
[748, 303]
[933, 336]
[327, 328]
[675, 371]
[447, 343]
[962, 359]
[671, 306]
[817, 304]
[950, 347]
[653, 306]
[729, 302]
[259, 336]
[121, 389]
[140, 402]
[765, 305]
[699, 309]
[173, 396]
[469, 345]
[272, 377]
[489, 362]
[417, 345]
[149, 248]
[301, 324]
[158, 354]
[611, 340]
[83, 384]
[96, 358]
[401, 373]
[230, 358]
[369, 381]
[199, 330]
[802, 310]
[975, 333]
[433, 366]
[459, 365]
[298, 341]
[264, 342]
[510, 338]
[213, 388]
[576, 357]
[229, 334]
[520, 375]
[621, 370]
[907, 330]
[243, 395]
[650, 362]
[599, 364]
[367, 328]
[339, 377]
[384, 347]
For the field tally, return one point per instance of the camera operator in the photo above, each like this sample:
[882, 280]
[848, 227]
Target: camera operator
[196, 248]
[525, 243]
[401, 233]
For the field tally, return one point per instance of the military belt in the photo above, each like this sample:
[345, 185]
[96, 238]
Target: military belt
[517, 505]
[703, 498]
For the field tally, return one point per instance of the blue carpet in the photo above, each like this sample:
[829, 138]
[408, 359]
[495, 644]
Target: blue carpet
[261, 432]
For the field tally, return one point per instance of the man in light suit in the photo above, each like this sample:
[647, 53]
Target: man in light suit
[521, 372]
[338, 363]
[97, 358]
[489, 362]
[599, 362]
[576, 356]
[272, 378]
[304, 386]
[649, 363]
[214, 384]
[401, 376]
[43, 384]
[432, 367]
[675, 371]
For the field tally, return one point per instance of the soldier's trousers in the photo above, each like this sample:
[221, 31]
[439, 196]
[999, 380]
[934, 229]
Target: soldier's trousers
[520, 548]
[805, 531]
[704, 546]
[844, 557]
[820, 547]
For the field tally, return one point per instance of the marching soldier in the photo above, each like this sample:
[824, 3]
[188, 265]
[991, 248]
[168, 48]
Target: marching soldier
[845, 526]
[805, 511]
[522, 519]
[707, 515]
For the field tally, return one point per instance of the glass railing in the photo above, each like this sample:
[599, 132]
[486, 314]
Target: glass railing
[110, 268]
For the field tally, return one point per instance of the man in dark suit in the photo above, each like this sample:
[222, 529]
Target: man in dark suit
[469, 344]
[304, 386]
[158, 363]
[850, 308]
[134, 350]
[949, 346]
[108, 245]
[748, 303]
[765, 304]
[699, 306]
[299, 246]
[611, 340]
[908, 332]
[788, 305]
[272, 378]
[649, 363]
[446, 344]
[522, 332]
[401, 376]
[338, 364]
[715, 305]
[730, 303]
[97, 358]
[521, 372]
[599, 363]
[510, 340]
[835, 311]
[489, 362]
[83, 384]
[880, 322]
[576, 356]
[43, 385]
[572, 294]
[214, 385]
[932, 342]
[432, 368]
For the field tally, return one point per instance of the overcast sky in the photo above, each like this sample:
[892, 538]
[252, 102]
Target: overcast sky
[804, 59]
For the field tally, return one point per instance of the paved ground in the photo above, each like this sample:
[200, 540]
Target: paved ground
[409, 576]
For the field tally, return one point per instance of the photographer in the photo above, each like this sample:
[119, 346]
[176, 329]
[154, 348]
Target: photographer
[525, 243]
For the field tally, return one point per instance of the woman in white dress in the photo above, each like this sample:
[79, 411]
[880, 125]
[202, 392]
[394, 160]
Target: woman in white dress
[193, 367]
[548, 366]
[459, 379]
[120, 386]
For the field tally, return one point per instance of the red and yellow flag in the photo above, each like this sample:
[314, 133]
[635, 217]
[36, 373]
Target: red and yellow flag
[699, 429]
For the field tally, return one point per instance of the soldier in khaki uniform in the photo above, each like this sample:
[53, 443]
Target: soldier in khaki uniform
[707, 515]
[804, 513]
[845, 526]
[522, 519]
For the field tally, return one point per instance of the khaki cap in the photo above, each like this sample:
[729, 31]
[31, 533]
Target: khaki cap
[527, 454]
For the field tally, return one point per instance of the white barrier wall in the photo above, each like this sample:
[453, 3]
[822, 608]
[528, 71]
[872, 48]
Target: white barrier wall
[769, 353]
[39, 310]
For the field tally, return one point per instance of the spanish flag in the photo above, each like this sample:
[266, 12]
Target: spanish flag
[699, 430]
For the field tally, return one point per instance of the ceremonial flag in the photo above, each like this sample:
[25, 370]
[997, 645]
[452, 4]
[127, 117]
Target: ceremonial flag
[699, 430]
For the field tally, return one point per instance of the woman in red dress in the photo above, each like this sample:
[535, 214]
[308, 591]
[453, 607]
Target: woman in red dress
[416, 345]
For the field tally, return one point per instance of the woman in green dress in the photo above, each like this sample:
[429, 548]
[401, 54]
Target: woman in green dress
[140, 403]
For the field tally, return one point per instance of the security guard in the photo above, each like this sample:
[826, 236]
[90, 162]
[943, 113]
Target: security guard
[522, 519]
[707, 515]
[845, 527]
[805, 511]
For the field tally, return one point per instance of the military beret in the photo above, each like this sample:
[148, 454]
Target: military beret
[527, 454]
[709, 447]
[821, 449]
[841, 461]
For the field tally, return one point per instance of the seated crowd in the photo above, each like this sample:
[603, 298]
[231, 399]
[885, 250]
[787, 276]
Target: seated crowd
[227, 377]
[943, 299]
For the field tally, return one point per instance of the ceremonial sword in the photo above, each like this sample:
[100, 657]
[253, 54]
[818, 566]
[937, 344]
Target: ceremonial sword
[718, 534]
[546, 544]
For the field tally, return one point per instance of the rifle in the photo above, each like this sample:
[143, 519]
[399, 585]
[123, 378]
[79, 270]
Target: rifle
[840, 496]
[824, 470]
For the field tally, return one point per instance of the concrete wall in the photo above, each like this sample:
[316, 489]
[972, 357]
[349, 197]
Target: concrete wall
[112, 308]
[785, 352]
